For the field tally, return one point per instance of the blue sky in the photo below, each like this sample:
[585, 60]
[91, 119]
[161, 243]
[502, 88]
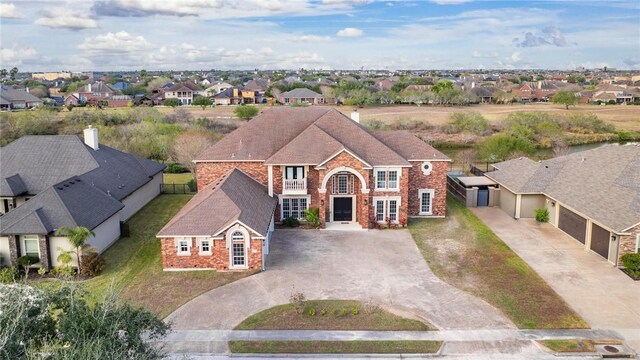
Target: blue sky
[318, 34]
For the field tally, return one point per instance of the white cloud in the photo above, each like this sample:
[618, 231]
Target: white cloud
[16, 55]
[119, 42]
[9, 11]
[350, 32]
[515, 57]
[309, 38]
[479, 54]
[67, 19]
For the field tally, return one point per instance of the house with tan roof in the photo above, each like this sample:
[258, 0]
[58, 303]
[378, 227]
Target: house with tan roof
[593, 196]
[287, 160]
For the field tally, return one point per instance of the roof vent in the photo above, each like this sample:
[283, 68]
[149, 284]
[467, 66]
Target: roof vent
[60, 188]
[78, 180]
[108, 192]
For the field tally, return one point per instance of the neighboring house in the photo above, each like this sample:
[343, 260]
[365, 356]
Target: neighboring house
[237, 238]
[593, 196]
[305, 158]
[301, 96]
[185, 92]
[418, 88]
[14, 99]
[384, 84]
[47, 182]
[72, 100]
[119, 101]
[259, 86]
[229, 96]
[536, 91]
[483, 94]
[217, 88]
[619, 94]
[94, 93]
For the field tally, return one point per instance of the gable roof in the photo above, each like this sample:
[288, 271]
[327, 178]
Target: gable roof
[300, 93]
[10, 96]
[43, 160]
[302, 135]
[69, 203]
[236, 197]
[12, 186]
[185, 86]
[96, 87]
[409, 146]
[257, 84]
[602, 183]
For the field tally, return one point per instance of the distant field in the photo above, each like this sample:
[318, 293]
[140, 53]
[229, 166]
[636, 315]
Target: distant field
[623, 117]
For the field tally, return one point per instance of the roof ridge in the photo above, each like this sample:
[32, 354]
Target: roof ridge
[21, 218]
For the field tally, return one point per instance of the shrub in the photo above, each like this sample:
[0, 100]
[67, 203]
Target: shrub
[312, 216]
[291, 222]
[193, 185]
[344, 312]
[312, 312]
[63, 271]
[176, 169]
[42, 271]
[297, 300]
[26, 262]
[246, 112]
[632, 263]
[369, 307]
[92, 264]
[355, 311]
[172, 102]
[500, 147]
[375, 124]
[470, 122]
[9, 275]
[323, 312]
[542, 215]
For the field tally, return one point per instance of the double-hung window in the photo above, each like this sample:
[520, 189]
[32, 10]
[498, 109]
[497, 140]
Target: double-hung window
[31, 245]
[387, 209]
[205, 246]
[387, 179]
[183, 246]
[294, 207]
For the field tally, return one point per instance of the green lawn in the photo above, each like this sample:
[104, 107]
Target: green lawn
[134, 264]
[335, 347]
[464, 252]
[569, 345]
[176, 178]
[330, 315]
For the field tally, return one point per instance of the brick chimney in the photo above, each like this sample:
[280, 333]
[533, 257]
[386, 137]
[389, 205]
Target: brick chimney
[91, 137]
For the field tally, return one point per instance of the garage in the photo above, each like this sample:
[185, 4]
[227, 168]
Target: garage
[600, 241]
[573, 224]
[508, 201]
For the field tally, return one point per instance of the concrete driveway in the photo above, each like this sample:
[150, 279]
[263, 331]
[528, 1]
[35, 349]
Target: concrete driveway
[385, 266]
[604, 296]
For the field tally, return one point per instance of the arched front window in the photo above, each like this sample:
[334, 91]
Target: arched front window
[238, 254]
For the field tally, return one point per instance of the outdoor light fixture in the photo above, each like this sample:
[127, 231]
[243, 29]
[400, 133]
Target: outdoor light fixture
[321, 202]
[365, 201]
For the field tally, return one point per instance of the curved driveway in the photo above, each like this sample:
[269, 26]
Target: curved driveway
[384, 266]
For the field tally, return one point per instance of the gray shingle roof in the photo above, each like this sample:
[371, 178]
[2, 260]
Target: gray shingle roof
[11, 95]
[41, 161]
[69, 203]
[409, 146]
[602, 183]
[235, 197]
[300, 93]
[12, 186]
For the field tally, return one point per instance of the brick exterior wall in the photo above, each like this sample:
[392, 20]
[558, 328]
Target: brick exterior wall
[218, 260]
[208, 172]
[436, 180]
[628, 244]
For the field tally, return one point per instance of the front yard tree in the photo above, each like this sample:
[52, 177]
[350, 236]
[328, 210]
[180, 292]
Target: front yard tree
[77, 236]
[202, 101]
[12, 73]
[565, 97]
[143, 73]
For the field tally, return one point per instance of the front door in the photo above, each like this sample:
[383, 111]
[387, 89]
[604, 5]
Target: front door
[342, 209]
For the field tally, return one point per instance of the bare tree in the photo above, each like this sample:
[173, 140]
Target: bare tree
[559, 147]
[466, 158]
[188, 145]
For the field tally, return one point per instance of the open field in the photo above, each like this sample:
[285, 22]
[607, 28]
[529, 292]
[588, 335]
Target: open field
[622, 117]
[464, 252]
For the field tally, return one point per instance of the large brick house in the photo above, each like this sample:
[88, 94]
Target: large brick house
[319, 158]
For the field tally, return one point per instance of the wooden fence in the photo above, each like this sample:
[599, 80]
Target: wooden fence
[456, 189]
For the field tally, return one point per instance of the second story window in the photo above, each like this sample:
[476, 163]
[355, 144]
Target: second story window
[294, 172]
[387, 180]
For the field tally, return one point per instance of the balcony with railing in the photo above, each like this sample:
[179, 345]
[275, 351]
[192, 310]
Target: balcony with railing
[295, 186]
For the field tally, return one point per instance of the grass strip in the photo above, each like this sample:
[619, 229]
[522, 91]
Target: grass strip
[335, 347]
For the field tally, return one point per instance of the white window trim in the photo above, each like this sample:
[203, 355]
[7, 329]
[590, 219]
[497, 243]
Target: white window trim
[200, 241]
[247, 246]
[386, 170]
[638, 243]
[424, 171]
[189, 241]
[281, 197]
[385, 200]
[432, 192]
[24, 245]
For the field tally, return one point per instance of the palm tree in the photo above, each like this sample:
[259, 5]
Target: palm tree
[77, 236]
